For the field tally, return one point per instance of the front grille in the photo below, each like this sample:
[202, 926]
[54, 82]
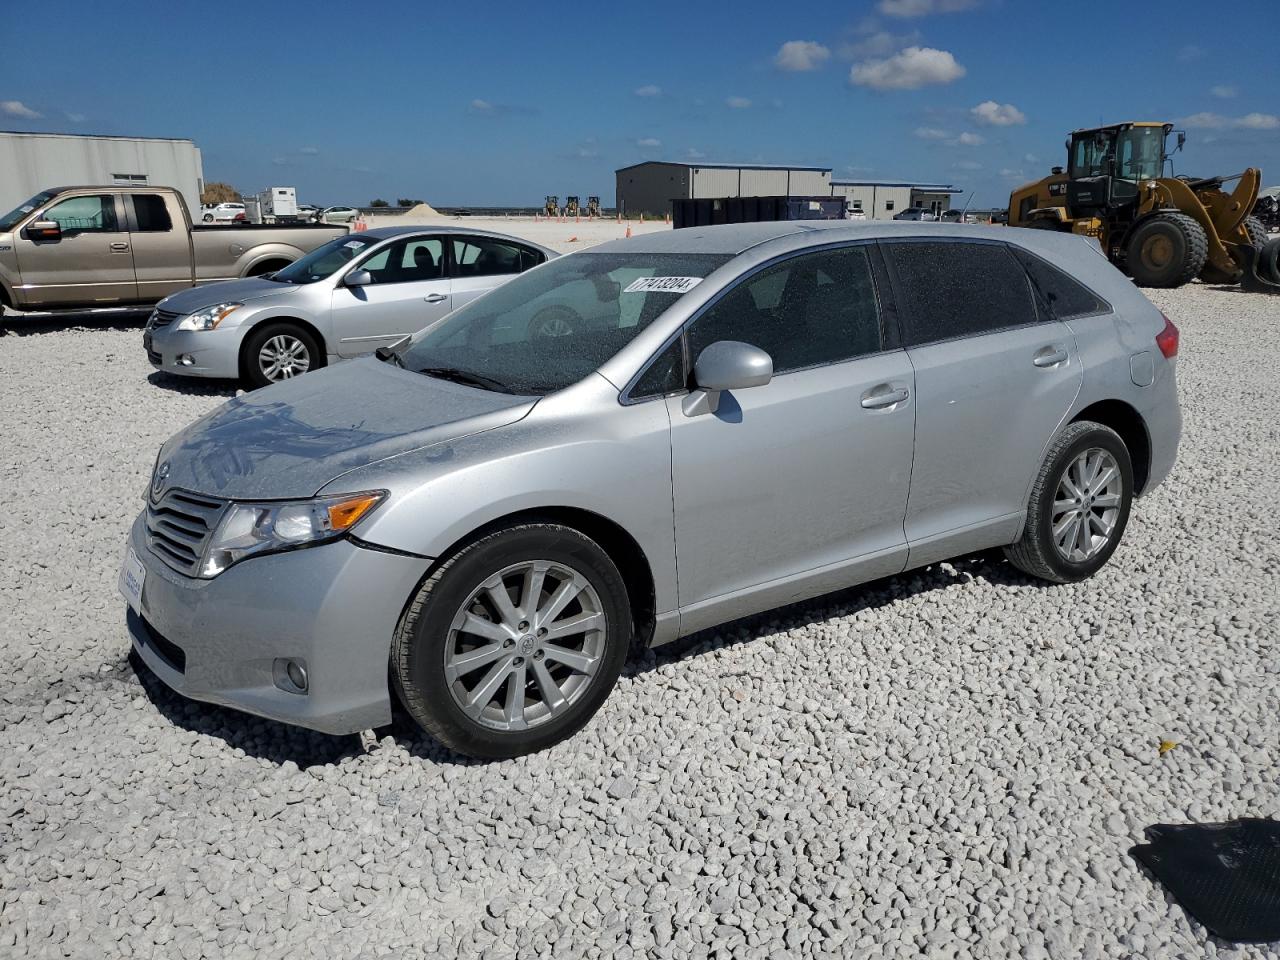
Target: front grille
[161, 318]
[179, 526]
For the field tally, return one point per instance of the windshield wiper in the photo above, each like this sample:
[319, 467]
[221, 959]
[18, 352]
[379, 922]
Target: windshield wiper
[466, 377]
[387, 355]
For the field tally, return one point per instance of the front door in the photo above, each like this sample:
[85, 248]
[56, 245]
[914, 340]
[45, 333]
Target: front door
[410, 290]
[89, 264]
[797, 487]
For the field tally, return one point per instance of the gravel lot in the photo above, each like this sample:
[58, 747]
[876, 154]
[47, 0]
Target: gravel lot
[953, 762]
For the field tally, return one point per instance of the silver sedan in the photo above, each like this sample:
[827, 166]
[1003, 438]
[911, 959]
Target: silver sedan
[485, 520]
[346, 298]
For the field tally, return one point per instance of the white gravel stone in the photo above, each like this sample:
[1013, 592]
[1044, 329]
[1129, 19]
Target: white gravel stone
[949, 763]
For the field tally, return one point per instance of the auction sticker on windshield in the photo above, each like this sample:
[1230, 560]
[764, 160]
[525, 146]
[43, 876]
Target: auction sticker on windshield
[132, 573]
[662, 285]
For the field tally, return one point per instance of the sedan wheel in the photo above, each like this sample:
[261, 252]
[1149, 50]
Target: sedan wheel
[282, 357]
[273, 352]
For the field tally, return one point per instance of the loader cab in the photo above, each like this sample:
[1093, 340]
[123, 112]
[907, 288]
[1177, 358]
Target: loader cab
[1107, 164]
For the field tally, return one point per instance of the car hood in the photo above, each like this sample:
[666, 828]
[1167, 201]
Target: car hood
[290, 439]
[250, 288]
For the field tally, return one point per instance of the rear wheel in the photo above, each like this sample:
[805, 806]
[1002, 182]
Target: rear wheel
[1167, 250]
[1258, 234]
[207, 218]
[514, 642]
[278, 351]
[1079, 506]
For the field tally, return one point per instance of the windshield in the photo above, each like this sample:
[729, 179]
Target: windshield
[1138, 153]
[550, 327]
[14, 216]
[326, 260]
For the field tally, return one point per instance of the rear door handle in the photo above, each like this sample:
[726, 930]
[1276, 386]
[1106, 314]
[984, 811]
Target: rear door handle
[1050, 356]
[884, 395]
[436, 298]
[119, 245]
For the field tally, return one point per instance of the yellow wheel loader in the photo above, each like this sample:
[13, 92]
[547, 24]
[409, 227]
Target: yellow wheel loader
[1163, 231]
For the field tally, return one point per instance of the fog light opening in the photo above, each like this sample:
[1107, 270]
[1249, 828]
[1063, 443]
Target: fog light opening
[290, 675]
[186, 360]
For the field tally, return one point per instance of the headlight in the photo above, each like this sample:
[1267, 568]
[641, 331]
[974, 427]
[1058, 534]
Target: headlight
[208, 318]
[251, 529]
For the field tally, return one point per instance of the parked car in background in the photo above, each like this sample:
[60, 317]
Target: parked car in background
[952, 216]
[339, 214]
[348, 297]
[221, 212]
[914, 213]
[76, 248]
[493, 517]
[853, 213]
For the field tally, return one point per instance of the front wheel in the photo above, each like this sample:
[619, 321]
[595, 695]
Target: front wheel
[1079, 506]
[207, 218]
[1167, 250]
[278, 351]
[514, 642]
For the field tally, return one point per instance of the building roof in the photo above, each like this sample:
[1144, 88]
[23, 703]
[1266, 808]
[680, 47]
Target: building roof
[716, 165]
[915, 185]
[89, 136]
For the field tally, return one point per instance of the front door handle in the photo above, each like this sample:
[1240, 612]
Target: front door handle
[119, 246]
[884, 395]
[435, 298]
[1050, 356]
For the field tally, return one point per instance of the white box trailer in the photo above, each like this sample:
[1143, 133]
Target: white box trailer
[278, 205]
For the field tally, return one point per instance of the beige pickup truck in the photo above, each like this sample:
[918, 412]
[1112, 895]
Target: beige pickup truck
[77, 248]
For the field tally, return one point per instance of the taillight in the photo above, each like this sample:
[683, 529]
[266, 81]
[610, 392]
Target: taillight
[1167, 339]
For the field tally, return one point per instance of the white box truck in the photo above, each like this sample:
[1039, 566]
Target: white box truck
[278, 205]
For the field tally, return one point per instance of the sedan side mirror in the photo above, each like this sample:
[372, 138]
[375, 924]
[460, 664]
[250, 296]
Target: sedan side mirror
[726, 365]
[44, 230]
[358, 278]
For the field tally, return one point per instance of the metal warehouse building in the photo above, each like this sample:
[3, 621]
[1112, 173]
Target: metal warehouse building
[881, 199]
[650, 187]
[30, 162]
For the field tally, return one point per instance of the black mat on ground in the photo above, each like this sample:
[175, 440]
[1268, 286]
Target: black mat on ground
[1226, 875]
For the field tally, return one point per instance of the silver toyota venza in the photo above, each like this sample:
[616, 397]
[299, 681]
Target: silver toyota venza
[636, 442]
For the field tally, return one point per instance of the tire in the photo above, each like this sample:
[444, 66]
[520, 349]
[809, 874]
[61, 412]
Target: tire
[282, 337]
[1038, 552]
[557, 321]
[1256, 230]
[499, 725]
[207, 218]
[1268, 265]
[1167, 250]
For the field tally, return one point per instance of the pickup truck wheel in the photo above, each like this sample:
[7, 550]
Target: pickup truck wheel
[278, 351]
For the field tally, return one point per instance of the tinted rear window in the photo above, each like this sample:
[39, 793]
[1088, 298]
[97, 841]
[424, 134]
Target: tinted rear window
[1063, 296]
[958, 289]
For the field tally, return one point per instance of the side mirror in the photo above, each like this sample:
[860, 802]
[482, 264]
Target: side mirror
[44, 230]
[1182, 139]
[358, 278]
[726, 365]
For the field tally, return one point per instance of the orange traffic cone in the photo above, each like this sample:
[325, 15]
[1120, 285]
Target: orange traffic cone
[628, 229]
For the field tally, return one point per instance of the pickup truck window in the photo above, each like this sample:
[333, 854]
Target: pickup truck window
[150, 215]
[92, 214]
[12, 218]
[326, 260]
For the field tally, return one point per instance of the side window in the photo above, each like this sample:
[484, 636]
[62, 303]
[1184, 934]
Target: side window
[1063, 296]
[93, 214]
[665, 374]
[150, 214]
[959, 289]
[408, 260]
[812, 309]
[530, 259]
[477, 257]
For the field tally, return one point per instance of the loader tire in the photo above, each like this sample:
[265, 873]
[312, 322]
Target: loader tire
[1167, 250]
[1258, 234]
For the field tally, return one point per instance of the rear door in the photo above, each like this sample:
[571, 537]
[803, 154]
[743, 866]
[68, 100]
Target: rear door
[479, 264]
[994, 381]
[161, 244]
[410, 290]
[91, 261]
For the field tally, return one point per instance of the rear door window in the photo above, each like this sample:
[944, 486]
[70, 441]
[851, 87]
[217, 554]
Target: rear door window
[150, 215]
[480, 257]
[1062, 296]
[958, 289]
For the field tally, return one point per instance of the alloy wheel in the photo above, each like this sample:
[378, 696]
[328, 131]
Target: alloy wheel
[1087, 505]
[283, 356]
[525, 645]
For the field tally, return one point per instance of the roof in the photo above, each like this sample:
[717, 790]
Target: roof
[716, 165]
[91, 136]
[384, 233]
[915, 185]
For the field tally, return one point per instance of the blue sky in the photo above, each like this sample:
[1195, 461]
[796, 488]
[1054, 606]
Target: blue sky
[503, 102]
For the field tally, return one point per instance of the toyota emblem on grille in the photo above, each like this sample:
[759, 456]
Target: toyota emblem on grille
[162, 474]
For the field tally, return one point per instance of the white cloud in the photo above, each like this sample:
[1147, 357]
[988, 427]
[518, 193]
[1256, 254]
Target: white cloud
[76, 117]
[16, 108]
[1216, 121]
[649, 90]
[693, 153]
[968, 139]
[998, 114]
[1190, 53]
[1223, 92]
[967, 165]
[911, 69]
[648, 143]
[309, 151]
[931, 133]
[1013, 174]
[1030, 158]
[481, 106]
[738, 103]
[801, 55]
[922, 8]
[281, 161]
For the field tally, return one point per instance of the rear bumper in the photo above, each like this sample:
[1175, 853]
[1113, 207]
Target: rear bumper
[212, 353]
[333, 607]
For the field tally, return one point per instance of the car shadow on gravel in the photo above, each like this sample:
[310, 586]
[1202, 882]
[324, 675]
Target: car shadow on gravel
[32, 325]
[193, 387]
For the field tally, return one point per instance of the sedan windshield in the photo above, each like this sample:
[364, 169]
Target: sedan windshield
[554, 325]
[14, 216]
[326, 260]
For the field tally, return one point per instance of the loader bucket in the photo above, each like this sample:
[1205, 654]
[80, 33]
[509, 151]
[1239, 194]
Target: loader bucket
[1261, 266]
